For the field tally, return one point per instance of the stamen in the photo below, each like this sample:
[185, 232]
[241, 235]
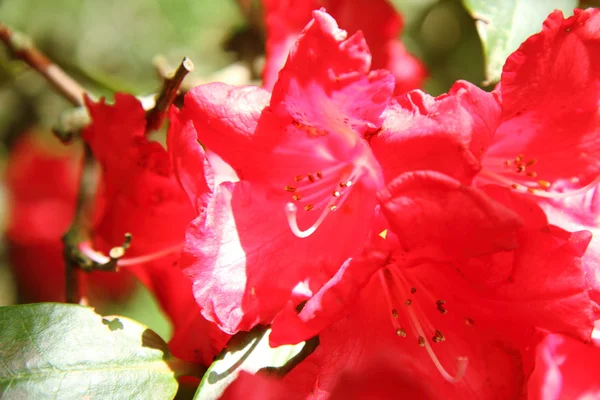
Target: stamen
[495, 177]
[401, 332]
[100, 258]
[317, 199]
[462, 362]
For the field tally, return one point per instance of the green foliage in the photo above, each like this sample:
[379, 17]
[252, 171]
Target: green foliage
[65, 351]
[504, 25]
[250, 352]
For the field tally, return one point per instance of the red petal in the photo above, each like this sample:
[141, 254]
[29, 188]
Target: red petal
[227, 119]
[565, 370]
[448, 133]
[576, 213]
[436, 217]
[187, 157]
[328, 304]
[284, 20]
[550, 91]
[540, 284]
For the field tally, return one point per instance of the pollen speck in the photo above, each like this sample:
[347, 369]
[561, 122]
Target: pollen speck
[383, 234]
[544, 184]
[401, 332]
[335, 193]
[439, 335]
[289, 188]
[395, 313]
[421, 341]
[309, 207]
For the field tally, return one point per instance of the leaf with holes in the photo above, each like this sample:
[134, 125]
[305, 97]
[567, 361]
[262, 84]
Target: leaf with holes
[70, 352]
[504, 25]
[250, 352]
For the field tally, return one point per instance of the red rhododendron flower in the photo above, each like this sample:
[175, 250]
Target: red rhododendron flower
[565, 369]
[305, 199]
[43, 182]
[377, 19]
[461, 325]
[139, 194]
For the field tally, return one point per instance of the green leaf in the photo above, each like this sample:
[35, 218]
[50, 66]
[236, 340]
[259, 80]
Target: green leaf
[504, 25]
[250, 352]
[66, 351]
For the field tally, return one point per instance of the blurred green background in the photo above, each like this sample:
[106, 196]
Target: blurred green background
[109, 45]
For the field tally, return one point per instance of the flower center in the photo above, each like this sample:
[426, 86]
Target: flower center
[409, 316]
[322, 192]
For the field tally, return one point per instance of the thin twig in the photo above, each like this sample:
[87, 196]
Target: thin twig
[156, 116]
[73, 293]
[23, 48]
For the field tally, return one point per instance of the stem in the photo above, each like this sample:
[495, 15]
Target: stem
[73, 292]
[23, 48]
[156, 116]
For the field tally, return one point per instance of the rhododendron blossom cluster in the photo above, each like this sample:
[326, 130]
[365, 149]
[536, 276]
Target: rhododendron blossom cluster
[434, 247]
